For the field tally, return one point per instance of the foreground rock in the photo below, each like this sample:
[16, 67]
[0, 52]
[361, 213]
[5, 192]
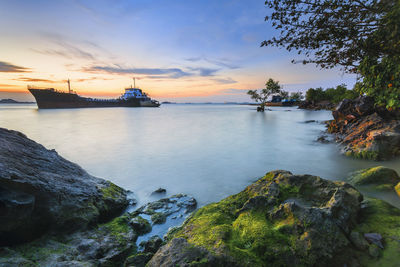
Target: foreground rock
[287, 220]
[41, 191]
[381, 178]
[365, 131]
[128, 240]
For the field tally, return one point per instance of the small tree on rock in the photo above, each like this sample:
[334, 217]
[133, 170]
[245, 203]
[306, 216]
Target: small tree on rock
[271, 88]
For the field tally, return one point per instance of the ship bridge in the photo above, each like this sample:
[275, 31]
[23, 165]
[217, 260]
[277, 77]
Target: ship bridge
[134, 93]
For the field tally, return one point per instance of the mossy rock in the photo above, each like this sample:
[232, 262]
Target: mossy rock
[277, 220]
[380, 217]
[382, 178]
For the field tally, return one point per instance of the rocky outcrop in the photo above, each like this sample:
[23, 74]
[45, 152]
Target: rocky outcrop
[286, 220]
[381, 178]
[282, 219]
[41, 191]
[127, 240]
[365, 131]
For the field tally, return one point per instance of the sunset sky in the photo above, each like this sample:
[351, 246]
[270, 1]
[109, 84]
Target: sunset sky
[179, 50]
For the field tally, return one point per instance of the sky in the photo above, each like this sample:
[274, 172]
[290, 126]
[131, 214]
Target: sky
[178, 50]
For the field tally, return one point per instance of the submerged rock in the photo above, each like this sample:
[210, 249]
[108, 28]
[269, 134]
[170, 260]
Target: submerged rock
[41, 191]
[380, 177]
[159, 191]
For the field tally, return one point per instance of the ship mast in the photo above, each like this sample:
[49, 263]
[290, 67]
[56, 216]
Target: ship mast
[134, 82]
[69, 86]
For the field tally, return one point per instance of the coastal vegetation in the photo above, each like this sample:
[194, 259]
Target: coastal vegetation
[272, 88]
[332, 95]
[361, 37]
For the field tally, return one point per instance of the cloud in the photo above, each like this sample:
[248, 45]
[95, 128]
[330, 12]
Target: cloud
[225, 80]
[205, 72]
[221, 62]
[8, 85]
[66, 49]
[26, 79]
[159, 72]
[8, 67]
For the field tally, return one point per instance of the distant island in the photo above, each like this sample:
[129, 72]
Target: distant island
[12, 101]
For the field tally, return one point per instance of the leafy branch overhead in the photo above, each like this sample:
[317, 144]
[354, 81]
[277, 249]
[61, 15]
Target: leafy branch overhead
[331, 32]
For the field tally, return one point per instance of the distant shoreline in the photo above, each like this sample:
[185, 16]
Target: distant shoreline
[12, 101]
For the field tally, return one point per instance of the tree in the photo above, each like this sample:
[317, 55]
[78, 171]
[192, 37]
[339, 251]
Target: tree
[271, 88]
[284, 94]
[296, 96]
[361, 36]
[332, 32]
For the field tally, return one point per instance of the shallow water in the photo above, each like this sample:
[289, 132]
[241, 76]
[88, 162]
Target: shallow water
[208, 151]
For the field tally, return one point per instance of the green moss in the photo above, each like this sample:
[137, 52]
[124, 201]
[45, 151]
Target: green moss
[287, 191]
[111, 191]
[380, 217]
[384, 178]
[38, 251]
[364, 154]
[397, 189]
[158, 218]
[118, 228]
[249, 237]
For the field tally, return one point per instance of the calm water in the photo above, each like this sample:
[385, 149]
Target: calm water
[208, 151]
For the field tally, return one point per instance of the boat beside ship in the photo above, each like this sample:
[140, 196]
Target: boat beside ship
[50, 98]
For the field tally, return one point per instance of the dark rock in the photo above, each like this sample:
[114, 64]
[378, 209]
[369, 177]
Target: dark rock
[140, 225]
[318, 214]
[158, 218]
[179, 252]
[151, 245]
[138, 260]
[358, 240]
[42, 191]
[382, 178]
[374, 238]
[310, 121]
[323, 139]
[159, 191]
[316, 105]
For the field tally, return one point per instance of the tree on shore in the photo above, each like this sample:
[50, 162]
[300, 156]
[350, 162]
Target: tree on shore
[361, 37]
[271, 88]
[296, 96]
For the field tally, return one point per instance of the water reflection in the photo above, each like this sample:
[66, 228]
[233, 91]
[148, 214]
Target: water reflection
[208, 151]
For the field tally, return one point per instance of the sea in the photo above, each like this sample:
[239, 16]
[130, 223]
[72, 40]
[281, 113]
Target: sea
[209, 151]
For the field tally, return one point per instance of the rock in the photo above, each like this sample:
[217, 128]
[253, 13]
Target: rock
[310, 121]
[362, 106]
[323, 139]
[358, 240]
[258, 224]
[179, 252]
[140, 225]
[374, 238]
[365, 131]
[380, 177]
[138, 260]
[151, 245]
[159, 191]
[42, 191]
[158, 218]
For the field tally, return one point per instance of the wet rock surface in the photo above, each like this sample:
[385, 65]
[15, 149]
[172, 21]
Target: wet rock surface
[41, 191]
[380, 178]
[365, 131]
[286, 220]
[127, 240]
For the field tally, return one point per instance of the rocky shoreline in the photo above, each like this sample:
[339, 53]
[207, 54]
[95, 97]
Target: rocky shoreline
[365, 131]
[53, 213]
